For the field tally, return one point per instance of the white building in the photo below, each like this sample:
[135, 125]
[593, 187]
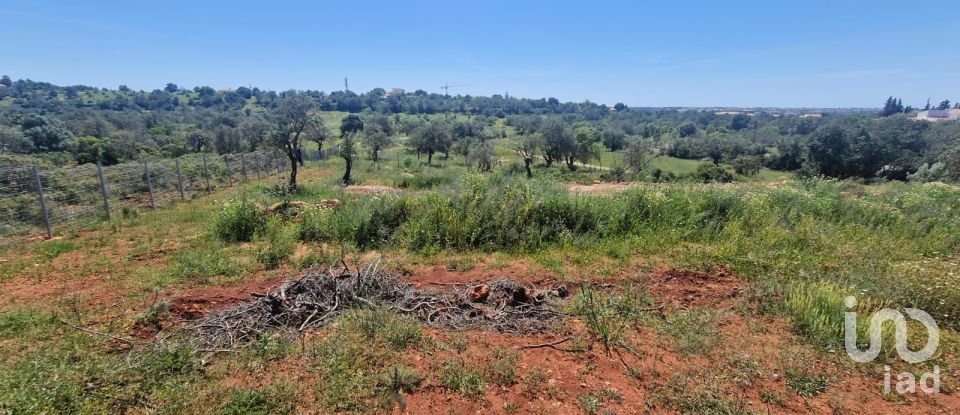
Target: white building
[939, 115]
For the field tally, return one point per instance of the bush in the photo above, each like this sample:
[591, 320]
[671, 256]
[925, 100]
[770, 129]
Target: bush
[747, 165]
[456, 376]
[239, 221]
[281, 242]
[422, 181]
[712, 173]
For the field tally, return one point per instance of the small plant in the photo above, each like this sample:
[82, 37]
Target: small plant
[502, 369]
[264, 401]
[805, 384]
[281, 241]
[460, 264]
[817, 311]
[397, 332]
[593, 401]
[589, 403]
[153, 314]
[169, 361]
[458, 377]
[267, 347]
[239, 221]
[53, 249]
[395, 382]
[601, 316]
[459, 342]
[203, 263]
[695, 330]
[16, 323]
[771, 397]
[129, 213]
[535, 382]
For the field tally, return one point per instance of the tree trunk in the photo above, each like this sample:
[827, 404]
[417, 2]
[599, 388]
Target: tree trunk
[570, 163]
[526, 164]
[429, 158]
[346, 174]
[293, 174]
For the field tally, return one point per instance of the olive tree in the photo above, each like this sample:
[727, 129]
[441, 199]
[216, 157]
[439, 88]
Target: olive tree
[291, 119]
[350, 127]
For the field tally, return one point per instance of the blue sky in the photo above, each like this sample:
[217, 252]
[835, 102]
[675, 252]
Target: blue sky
[689, 53]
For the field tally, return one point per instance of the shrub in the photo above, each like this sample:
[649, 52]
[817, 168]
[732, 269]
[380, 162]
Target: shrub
[712, 173]
[395, 382]
[502, 370]
[281, 242]
[239, 221]
[458, 377]
[422, 181]
[606, 316]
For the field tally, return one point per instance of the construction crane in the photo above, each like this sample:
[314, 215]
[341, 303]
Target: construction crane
[446, 88]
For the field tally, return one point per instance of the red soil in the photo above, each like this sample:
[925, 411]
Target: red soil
[684, 288]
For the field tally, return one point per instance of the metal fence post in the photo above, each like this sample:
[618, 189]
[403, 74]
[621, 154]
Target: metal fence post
[146, 172]
[226, 160]
[103, 190]
[43, 202]
[243, 167]
[179, 179]
[206, 172]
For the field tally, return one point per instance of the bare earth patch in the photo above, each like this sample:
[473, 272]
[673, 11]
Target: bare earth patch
[684, 288]
[364, 189]
[598, 188]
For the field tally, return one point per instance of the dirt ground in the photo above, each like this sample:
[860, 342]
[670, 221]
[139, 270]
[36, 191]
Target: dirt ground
[598, 188]
[745, 367]
[750, 350]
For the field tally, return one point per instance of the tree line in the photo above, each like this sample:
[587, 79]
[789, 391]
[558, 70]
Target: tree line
[66, 125]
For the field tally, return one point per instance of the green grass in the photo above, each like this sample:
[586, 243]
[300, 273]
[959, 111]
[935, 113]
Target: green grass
[202, 264]
[800, 246]
[674, 165]
[694, 331]
[358, 362]
[275, 399]
[459, 377]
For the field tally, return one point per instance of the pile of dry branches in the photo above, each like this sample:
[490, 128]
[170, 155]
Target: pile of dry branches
[318, 296]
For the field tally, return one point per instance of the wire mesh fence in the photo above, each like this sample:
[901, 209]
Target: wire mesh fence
[35, 200]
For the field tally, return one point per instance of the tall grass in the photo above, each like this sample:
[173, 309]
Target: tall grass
[509, 213]
[809, 231]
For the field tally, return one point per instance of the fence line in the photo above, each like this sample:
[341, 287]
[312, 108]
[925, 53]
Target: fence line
[33, 199]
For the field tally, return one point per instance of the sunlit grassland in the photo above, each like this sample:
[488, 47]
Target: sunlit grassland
[800, 246]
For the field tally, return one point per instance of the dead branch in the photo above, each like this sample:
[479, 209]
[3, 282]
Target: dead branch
[551, 344]
[86, 330]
